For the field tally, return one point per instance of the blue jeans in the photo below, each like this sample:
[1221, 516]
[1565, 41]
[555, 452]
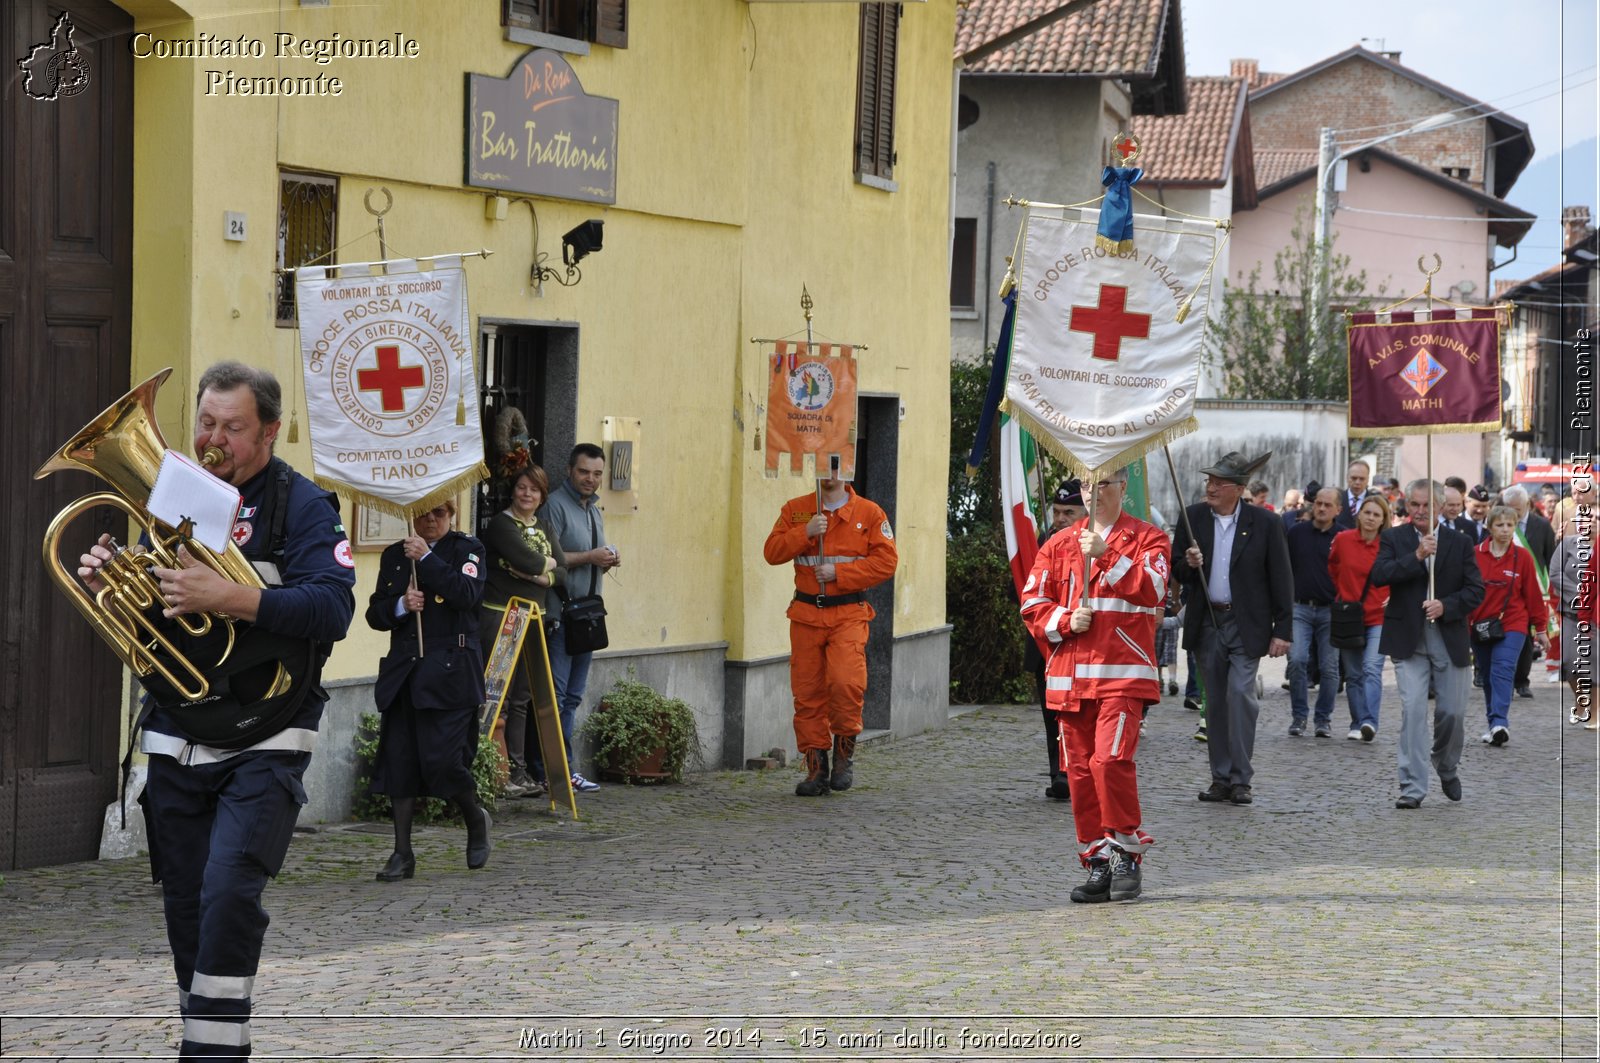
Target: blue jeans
[1363, 679]
[1496, 664]
[571, 678]
[1313, 622]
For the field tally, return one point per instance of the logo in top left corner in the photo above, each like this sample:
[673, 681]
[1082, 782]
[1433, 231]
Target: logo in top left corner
[55, 69]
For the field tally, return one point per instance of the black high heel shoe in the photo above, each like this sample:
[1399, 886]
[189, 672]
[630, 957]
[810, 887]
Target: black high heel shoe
[400, 865]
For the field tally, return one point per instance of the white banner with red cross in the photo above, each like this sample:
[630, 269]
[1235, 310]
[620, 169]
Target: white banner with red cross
[391, 395]
[1102, 369]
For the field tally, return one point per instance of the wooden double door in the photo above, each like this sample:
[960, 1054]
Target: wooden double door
[66, 229]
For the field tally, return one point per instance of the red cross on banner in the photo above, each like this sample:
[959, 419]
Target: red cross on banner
[1110, 322]
[390, 379]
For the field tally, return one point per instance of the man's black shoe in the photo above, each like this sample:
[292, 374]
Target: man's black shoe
[478, 843]
[1125, 876]
[1524, 691]
[400, 865]
[1409, 802]
[1217, 791]
[1241, 795]
[1097, 890]
[1477, 681]
[1191, 704]
[1451, 788]
[1058, 790]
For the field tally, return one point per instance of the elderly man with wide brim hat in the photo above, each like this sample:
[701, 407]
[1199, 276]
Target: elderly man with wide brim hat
[1233, 561]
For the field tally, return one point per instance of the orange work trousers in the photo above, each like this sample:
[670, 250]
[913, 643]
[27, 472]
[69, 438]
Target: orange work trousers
[1098, 741]
[828, 674]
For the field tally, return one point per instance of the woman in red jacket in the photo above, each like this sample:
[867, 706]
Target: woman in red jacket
[1511, 595]
[1350, 559]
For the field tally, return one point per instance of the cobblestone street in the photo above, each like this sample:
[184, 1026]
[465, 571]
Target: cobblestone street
[922, 915]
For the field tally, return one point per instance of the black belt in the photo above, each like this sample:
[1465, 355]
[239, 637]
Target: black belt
[1222, 607]
[1310, 601]
[823, 600]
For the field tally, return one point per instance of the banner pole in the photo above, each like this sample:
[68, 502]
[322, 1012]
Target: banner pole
[421, 650]
[1172, 471]
[1433, 526]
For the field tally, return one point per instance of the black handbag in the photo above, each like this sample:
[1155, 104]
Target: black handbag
[583, 620]
[1347, 623]
[1490, 630]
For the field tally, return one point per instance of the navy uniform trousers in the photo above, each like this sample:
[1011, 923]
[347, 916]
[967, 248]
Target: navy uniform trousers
[217, 832]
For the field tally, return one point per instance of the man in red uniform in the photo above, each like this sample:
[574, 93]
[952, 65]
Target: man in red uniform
[838, 552]
[1100, 673]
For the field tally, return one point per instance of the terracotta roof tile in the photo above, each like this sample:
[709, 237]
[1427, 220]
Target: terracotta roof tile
[1276, 164]
[1193, 146]
[1107, 37]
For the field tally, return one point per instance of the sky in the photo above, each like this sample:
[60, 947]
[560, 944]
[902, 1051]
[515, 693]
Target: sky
[1534, 58]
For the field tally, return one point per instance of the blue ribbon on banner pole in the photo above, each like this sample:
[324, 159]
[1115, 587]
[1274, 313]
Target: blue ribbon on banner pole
[997, 386]
[1115, 229]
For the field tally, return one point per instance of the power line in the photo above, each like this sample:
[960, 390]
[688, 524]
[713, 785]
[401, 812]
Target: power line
[1474, 108]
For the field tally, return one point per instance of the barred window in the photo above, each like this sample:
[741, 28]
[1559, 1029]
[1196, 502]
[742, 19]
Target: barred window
[600, 21]
[308, 209]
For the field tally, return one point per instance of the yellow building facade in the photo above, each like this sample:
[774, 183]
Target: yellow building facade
[735, 185]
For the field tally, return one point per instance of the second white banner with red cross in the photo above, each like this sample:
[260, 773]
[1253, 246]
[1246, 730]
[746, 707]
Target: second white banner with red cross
[1102, 370]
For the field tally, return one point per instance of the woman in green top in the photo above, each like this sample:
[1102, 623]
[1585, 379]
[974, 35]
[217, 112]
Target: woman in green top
[524, 561]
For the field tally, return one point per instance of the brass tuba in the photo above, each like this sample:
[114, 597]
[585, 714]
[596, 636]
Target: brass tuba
[124, 447]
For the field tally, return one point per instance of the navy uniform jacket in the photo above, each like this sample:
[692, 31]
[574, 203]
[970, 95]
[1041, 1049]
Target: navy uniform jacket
[451, 577]
[316, 598]
[1258, 573]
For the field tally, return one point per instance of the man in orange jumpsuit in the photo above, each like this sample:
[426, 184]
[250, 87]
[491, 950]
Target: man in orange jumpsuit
[1100, 673]
[838, 552]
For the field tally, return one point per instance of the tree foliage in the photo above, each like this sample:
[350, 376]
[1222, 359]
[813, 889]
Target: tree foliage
[1265, 340]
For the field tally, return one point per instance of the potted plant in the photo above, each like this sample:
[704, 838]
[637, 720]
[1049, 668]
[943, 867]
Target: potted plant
[641, 734]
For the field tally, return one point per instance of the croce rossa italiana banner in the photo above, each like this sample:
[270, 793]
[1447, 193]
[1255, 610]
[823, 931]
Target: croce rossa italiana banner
[388, 370]
[1102, 370]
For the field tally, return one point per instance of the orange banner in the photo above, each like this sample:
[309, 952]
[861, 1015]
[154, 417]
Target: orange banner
[811, 406]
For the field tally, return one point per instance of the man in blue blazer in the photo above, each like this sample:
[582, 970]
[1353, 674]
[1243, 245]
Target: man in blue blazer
[1425, 633]
[1239, 609]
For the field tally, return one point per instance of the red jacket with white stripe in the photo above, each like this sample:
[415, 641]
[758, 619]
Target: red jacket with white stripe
[1116, 657]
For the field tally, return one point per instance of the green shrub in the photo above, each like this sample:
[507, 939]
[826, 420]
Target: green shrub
[487, 770]
[987, 637]
[633, 721]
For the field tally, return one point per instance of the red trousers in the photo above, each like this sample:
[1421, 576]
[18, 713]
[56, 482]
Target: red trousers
[1098, 740]
[828, 675]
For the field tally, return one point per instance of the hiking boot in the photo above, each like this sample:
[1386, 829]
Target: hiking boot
[815, 784]
[1124, 876]
[1097, 889]
[1217, 791]
[844, 751]
[1297, 728]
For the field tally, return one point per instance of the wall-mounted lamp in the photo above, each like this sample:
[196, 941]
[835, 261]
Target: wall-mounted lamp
[583, 239]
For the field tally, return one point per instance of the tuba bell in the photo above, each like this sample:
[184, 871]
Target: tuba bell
[177, 659]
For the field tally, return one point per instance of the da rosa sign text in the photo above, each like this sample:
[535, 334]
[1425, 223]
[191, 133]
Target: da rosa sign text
[536, 131]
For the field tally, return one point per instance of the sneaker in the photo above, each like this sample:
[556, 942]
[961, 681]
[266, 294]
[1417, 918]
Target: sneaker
[582, 785]
[1499, 736]
[1368, 732]
[1487, 737]
[1125, 876]
[1191, 704]
[1097, 889]
[1297, 729]
[1200, 733]
[1324, 730]
[1354, 734]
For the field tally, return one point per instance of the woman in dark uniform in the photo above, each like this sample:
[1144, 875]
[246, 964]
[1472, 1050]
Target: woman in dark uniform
[524, 561]
[429, 734]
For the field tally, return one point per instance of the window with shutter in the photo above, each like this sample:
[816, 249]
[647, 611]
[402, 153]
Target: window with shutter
[880, 38]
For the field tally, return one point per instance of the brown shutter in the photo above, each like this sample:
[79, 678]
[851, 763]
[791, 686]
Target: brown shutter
[610, 21]
[880, 31]
[525, 14]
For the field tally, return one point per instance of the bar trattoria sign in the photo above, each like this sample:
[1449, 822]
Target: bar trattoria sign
[537, 131]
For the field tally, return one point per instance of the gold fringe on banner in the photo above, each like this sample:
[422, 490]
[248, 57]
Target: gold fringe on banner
[471, 478]
[1058, 450]
[1113, 247]
[1425, 429]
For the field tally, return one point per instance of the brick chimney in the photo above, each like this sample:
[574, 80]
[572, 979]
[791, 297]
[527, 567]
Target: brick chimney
[1574, 224]
[1249, 69]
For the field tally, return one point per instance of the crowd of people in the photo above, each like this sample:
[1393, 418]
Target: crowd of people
[1458, 587]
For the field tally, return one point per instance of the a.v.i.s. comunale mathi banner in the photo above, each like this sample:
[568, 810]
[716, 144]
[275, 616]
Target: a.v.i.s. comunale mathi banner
[1421, 373]
[811, 406]
[1101, 368]
[387, 360]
